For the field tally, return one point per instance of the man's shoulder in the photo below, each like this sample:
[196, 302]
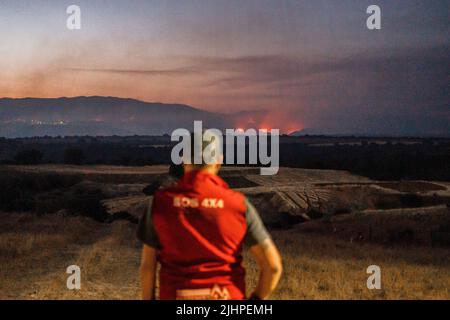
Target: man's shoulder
[167, 192]
[237, 194]
[233, 197]
[214, 191]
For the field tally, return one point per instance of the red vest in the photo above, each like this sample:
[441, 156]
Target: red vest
[201, 225]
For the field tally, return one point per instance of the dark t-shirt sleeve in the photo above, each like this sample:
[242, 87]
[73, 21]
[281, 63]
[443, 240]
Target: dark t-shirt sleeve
[146, 232]
[256, 231]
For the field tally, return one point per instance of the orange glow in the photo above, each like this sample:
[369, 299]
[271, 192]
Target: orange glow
[267, 122]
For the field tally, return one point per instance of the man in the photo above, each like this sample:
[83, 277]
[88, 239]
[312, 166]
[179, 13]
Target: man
[196, 231]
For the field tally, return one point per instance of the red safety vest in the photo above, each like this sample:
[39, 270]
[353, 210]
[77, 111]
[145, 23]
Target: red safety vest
[201, 225]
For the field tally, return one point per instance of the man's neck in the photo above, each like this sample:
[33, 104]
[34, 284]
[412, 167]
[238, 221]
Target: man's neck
[206, 169]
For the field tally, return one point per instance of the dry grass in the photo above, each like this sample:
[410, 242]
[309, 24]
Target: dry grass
[320, 267]
[35, 252]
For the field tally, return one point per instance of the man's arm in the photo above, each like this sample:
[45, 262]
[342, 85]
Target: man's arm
[269, 261]
[264, 251]
[148, 272]
[146, 233]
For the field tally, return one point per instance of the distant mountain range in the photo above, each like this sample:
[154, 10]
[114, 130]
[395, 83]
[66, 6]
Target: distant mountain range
[341, 133]
[107, 116]
[99, 116]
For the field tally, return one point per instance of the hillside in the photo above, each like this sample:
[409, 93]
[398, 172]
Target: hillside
[97, 116]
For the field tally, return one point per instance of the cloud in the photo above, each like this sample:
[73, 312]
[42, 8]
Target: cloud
[279, 68]
[398, 91]
[149, 72]
[395, 91]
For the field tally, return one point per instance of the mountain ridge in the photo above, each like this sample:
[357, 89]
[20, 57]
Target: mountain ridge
[99, 115]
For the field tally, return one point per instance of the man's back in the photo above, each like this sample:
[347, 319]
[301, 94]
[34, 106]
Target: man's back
[196, 230]
[200, 224]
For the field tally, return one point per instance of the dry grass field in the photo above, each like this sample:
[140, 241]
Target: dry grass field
[36, 250]
[349, 222]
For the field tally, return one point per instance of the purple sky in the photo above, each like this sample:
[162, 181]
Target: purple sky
[309, 64]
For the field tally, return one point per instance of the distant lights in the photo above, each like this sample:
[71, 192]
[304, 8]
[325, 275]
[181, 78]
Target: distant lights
[44, 123]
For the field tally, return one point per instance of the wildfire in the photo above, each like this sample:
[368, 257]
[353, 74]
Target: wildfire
[265, 124]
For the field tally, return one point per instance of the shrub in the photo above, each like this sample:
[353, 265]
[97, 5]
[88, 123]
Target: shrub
[19, 189]
[74, 156]
[75, 201]
[28, 157]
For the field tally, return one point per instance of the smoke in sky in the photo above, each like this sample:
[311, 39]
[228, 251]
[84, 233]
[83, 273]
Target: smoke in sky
[287, 64]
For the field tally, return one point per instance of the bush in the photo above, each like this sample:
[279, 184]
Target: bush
[28, 157]
[87, 203]
[74, 156]
[18, 189]
[76, 201]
